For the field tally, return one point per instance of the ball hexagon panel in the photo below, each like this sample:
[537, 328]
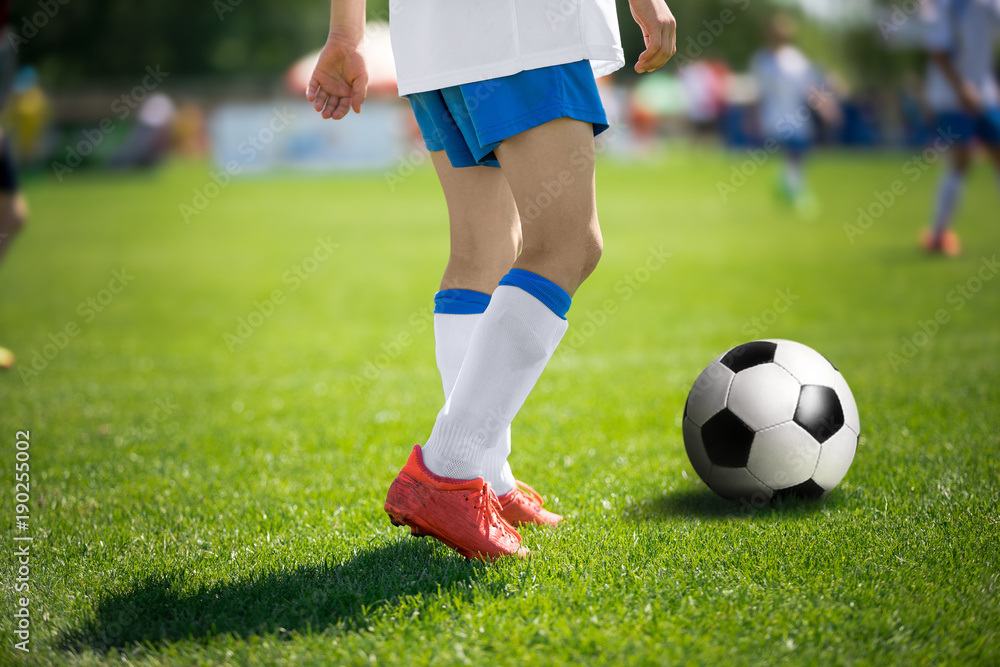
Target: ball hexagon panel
[708, 395]
[819, 411]
[696, 449]
[783, 456]
[763, 396]
[737, 483]
[727, 440]
[804, 363]
[835, 458]
[748, 355]
[850, 407]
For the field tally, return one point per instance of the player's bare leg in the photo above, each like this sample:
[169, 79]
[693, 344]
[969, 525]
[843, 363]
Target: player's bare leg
[485, 241]
[512, 342]
[562, 237]
[550, 171]
[485, 230]
[13, 212]
[994, 153]
[940, 238]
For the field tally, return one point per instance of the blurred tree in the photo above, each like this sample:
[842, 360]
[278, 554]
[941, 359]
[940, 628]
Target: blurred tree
[98, 39]
[727, 29]
[78, 41]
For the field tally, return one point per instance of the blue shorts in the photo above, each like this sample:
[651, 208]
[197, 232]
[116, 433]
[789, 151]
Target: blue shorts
[963, 127]
[795, 147]
[468, 121]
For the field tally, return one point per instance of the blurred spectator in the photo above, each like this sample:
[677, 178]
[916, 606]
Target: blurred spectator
[148, 141]
[790, 89]
[189, 134]
[657, 107]
[962, 91]
[26, 117]
[704, 84]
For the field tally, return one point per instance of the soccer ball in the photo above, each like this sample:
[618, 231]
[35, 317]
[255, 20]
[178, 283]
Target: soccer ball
[771, 418]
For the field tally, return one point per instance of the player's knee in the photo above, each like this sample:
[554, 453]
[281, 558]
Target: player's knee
[591, 255]
[517, 241]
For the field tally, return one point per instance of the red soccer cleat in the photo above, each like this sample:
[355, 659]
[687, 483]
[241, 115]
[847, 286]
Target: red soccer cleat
[524, 505]
[463, 514]
[947, 243]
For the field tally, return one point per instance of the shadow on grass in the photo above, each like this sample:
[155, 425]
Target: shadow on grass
[705, 504]
[311, 597]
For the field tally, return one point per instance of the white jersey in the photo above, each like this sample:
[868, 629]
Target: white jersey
[966, 29]
[441, 43]
[784, 80]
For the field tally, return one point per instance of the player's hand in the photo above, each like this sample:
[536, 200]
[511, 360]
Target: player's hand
[340, 81]
[659, 30]
[824, 102]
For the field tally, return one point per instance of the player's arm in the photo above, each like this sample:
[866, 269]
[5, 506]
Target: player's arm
[340, 81]
[966, 92]
[659, 30]
[939, 41]
[823, 99]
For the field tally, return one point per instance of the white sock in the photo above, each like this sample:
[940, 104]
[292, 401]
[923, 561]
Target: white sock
[947, 200]
[793, 176]
[452, 334]
[508, 351]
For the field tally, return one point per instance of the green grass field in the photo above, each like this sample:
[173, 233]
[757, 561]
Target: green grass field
[206, 492]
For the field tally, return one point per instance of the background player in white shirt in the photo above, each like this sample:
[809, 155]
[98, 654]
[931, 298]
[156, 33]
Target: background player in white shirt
[962, 91]
[508, 84]
[790, 88]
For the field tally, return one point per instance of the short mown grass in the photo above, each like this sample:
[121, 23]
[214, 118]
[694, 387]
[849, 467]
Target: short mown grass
[206, 491]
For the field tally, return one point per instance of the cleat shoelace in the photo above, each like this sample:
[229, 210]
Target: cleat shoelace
[492, 510]
[533, 497]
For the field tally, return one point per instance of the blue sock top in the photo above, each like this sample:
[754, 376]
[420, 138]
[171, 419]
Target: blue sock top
[543, 289]
[460, 302]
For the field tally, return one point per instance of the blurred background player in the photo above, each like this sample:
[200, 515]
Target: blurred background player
[148, 141]
[790, 88]
[704, 83]
[501, 118]
[962, 91]
[13, 208]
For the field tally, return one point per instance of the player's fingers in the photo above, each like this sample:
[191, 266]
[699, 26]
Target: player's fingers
[339, 111]
[652, 60]
[358, 92]
[312, 89]
[642, 64]
[328, 106]
[653, 42]
[319, 100]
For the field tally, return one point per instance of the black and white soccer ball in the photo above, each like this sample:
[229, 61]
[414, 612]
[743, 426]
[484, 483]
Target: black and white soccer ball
[771, 418]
